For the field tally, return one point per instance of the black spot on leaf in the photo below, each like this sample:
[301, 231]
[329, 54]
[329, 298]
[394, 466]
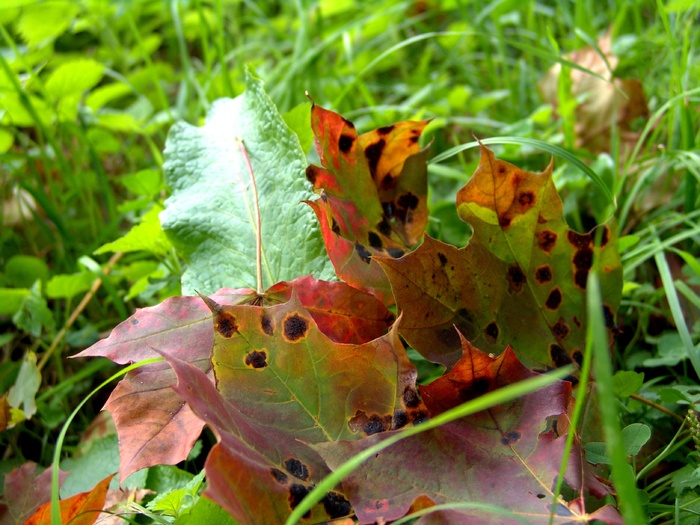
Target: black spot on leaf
[385, 130]
[334, 227]
[492, 331]
[510, 437]
[408, 201]
[516, 278]
[541, 496]
[421, 417]
[375, 425]
[345, 143]
[526, 199]
[553, 299]
[256, 359]
[266, 325]
[476, 388]
[395, 252]
[410, 397]
[363, 252]
[384, 227]
[504, 221]
[311, 174]
[501, 168]
[579, 240]
[388, 209]
[608, 316]
[296, 468]
[295, 327]
[583, 259]
[400, 419]
[560, 329]
[558, 355]
[443, 258]
[604, 236]
[578, 357]
[225, 324]
[280, 477]
[581, 278]
[374, 240]
[335, 505]
[373, 152]
[547, 239]
[297, 493]
[543, 274]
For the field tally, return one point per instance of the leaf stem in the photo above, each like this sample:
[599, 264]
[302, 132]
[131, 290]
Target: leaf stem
[258, 227]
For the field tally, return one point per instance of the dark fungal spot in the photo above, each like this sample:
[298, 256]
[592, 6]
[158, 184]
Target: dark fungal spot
[408, 200]
[608, 316]
[553, 299]
[374, 240]
[604, 236]
[558, 355]
[400, 419]
[504, 221]
[410, 397]
[443, 258]
[345, 143]
[541, 496]
[543, 274]
[256, 359]
[373, 152]
[449, 337]
[492, 331]
[225, 324]
[296, 468]
[395, 252]
[388, 182]
[579, 240]
[363, 252]
[421, 417]
[583, 259]
[375, 425]
[385, 130]
[547, 240]
[577, 322]
[581, 278]
[526, 198]
[560, 329]
[388, 209]
[266, 325]
[134, 321]
[336, 505]
[324, 197]
[510, 437]
[335, 228]
[501, 168]
[516, 278]
[311, 174]
[280, 477]
[476, 388]
[297, 493]
[578, 357]
[295, 327]
[384, 227]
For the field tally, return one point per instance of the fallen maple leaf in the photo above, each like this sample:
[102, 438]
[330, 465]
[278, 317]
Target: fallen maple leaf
[604, 101]
[155, 426]
[520, 281]
[373, 195]
[504, 458]
[81, 509]
[25, 492]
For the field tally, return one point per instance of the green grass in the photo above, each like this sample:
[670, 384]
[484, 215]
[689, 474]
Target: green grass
[69, 146]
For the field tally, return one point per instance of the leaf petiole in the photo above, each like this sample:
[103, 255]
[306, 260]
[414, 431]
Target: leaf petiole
[258, 227]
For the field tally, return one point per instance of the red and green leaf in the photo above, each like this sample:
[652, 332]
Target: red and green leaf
[373, 195]
[521, 280]
[25, 492]
[506, 457]
[154, 424]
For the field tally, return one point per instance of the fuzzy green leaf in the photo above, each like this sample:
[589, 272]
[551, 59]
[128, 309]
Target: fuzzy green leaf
[210, 215]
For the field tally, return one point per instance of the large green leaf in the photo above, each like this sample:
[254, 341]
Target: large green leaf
[210, 216]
